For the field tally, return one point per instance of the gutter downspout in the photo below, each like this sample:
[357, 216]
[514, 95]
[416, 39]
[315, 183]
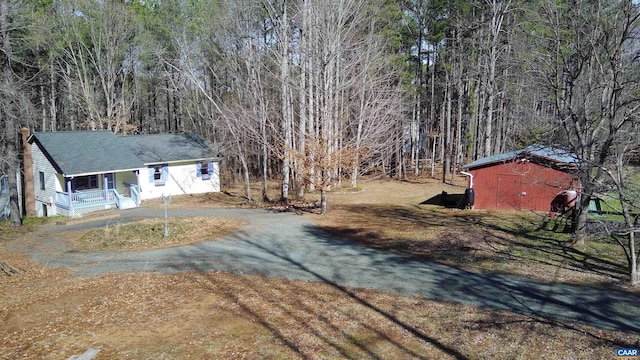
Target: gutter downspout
[470, 178]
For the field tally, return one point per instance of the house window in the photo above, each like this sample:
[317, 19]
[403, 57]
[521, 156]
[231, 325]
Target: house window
[42, 184]
[84, 182]
[45, 211]
[204, 170]
[158, 174]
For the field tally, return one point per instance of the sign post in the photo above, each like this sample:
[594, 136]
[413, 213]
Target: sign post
[166, 200]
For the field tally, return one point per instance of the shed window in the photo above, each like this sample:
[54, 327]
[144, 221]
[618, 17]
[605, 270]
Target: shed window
[42, 184]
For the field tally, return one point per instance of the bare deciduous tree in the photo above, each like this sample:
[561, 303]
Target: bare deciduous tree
[628, 196]
[588, 52]
[14, 102]
[97, 49]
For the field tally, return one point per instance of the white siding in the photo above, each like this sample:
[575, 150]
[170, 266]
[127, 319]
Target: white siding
[51, 182]
[182, 180]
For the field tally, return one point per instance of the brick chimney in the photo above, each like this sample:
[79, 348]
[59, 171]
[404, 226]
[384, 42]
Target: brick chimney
[29, 189]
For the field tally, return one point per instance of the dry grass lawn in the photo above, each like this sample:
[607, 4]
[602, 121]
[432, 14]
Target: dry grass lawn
[48, 314]
[397, 217]
[149, 234]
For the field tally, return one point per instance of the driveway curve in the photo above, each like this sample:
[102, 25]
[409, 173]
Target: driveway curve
[285, 245]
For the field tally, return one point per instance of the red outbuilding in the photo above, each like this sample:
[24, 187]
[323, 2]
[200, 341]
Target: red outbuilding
[529, 179]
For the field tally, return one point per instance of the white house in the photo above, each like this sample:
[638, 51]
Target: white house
[78, 172]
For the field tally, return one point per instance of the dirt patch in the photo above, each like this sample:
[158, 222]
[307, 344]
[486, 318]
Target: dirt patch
[149, 234]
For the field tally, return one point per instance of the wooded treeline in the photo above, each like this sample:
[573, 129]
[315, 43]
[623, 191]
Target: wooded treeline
[316, 92]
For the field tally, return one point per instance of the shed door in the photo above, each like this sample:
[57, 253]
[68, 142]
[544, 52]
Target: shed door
[509, 192]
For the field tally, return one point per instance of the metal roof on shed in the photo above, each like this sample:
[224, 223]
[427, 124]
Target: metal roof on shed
[557, 155]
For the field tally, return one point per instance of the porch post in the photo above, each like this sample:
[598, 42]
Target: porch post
[139, 189]
[69, 196]
[105, 186]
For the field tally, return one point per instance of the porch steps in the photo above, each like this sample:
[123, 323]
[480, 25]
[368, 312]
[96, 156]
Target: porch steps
[126, 203]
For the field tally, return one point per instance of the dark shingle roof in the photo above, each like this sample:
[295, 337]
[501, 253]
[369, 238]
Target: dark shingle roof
[165, 148]
[556, 155]
[90, 152]
[86, 152]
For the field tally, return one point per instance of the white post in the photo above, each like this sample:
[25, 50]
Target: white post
[139, 188]
[105, 186]
[166, 200]
[69, 196]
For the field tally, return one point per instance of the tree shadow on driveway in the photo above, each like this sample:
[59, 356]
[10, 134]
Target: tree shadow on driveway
[321, 257]
[467, 238]
[550, 301]
[275, 260]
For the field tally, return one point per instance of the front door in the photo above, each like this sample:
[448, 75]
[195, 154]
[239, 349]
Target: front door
[111, 180]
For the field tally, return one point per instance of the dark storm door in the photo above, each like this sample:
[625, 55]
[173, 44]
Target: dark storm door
[111, 177]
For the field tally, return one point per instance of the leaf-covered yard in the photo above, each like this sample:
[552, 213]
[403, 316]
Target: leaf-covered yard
[49, 314]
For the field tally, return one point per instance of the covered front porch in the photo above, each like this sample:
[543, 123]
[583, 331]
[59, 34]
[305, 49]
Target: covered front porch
[88, 193]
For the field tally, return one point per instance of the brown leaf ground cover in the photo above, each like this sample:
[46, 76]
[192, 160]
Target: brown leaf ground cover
[48, 314]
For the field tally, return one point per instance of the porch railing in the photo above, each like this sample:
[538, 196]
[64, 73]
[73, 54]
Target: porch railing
[84, 199]
[62, 198]
[82, 202]
[135, 194]
[117, 198]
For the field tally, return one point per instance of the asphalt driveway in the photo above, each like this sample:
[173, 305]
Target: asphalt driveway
[284, 245]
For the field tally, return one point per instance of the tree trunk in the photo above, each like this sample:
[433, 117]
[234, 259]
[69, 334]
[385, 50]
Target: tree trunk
[579, 218]
[447, 132]
[70, 102]
[247, 180]
[459, 117]
[53, 112]
[43, 102]
[302, 93]
[634, 271]
[9, 113]
[265, 154]
[323, 201]
[14, 217]
[286, 100]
